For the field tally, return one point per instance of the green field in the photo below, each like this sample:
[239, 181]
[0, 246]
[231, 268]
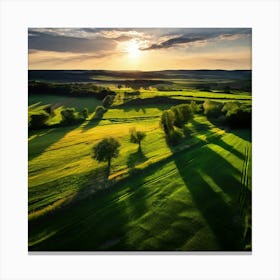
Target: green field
[184, 197]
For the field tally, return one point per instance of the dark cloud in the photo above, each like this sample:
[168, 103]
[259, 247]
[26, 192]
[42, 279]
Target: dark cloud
[199, 35]
[54, 42]
[171, 42]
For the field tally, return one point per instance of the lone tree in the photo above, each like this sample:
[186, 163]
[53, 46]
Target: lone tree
[136, 137]
[105, 150]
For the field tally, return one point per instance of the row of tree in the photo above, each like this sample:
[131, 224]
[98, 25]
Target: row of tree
[234, 114]
[174, 119]
[69, 116]
[69, 89]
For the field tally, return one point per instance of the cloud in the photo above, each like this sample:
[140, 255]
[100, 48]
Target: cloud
[58, 60]
[53, 41]
[199, 36]
[106, 48]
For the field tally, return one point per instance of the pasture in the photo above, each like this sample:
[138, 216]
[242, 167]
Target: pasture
[163, 198]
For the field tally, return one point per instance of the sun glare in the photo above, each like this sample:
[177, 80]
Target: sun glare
[133, 48]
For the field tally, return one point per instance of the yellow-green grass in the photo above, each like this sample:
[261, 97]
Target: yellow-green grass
[165, 198]
[60, 158]
[191, 93]
[57, 101]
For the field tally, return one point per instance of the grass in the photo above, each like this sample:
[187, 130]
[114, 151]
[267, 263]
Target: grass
[192, 94]
[183, 198]
[36, 103]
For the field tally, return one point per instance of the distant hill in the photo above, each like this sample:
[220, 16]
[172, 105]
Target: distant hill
[90, 75]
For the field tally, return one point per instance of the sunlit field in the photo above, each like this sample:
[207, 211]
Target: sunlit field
[185, 187]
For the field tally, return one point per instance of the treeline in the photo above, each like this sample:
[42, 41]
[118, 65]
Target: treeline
[69, 116]
[232, 114]
[145, 84]
[69, 90]
[242, 85]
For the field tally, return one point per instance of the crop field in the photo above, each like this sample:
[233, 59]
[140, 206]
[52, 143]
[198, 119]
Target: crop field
[190, 196]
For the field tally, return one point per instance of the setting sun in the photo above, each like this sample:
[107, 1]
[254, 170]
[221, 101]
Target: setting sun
[133, 48]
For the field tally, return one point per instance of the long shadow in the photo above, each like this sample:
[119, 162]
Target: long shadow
[198, 127]
[137, 190]
[89, 124]
[135, 158]
[244, 133]
[33, 134]
[40, 143]
[93, 221]
[216, 139]
[221, 216]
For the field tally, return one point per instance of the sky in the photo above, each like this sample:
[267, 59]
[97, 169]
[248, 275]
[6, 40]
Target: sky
[144, 49]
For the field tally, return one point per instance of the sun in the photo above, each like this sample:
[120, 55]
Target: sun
[133, 48]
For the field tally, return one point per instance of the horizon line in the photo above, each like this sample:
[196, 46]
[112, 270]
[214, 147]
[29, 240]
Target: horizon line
[140, 70]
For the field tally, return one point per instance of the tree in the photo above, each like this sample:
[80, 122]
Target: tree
[136, 137]
[182, 114]
[238, 115]
[68, 115]
[108, 101]
[38, 120]
[99, 112]
[212, 109]
[105, 150]
[167, 121]
[84, 113]
[195, 107]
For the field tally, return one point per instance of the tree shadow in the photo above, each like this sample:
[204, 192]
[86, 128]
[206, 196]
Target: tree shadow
[136, 108]
[244, 133]
[33, 134]
[42, 141]
[198, 127]
[221, 216]
[135, 158]
[92, 221]
[218, 141]
[89, 124]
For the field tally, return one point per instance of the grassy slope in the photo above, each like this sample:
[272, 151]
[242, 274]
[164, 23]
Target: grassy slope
[186, 201]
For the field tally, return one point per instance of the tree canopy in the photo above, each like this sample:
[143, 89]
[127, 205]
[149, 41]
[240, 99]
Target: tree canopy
[137, 136]
[105, 150]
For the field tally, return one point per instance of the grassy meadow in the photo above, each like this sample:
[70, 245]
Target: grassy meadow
[194, 195]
